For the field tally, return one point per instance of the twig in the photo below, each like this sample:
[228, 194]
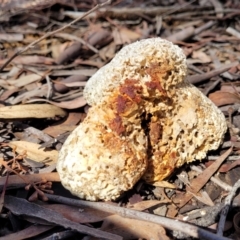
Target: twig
[181, 35]
[230, 158]
[218, 8]
[189, 229]
[133, 12]
[211, 86]
[3, 193]
[233, 32]
[22, 207]
[204, 27]
[78, 39]
[54, 32]
[202, 77]
[226, 207]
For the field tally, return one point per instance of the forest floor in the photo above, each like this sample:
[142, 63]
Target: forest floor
[46, 60]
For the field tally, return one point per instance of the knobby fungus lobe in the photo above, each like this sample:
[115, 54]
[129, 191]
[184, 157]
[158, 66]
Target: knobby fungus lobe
[146, 120]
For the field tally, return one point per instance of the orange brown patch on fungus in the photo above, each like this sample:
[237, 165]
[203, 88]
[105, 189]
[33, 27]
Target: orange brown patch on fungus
[121, 104]
[154, 85]
[131, 90]
[112, 141]
[116, 125]
[157, 76]
[155, 132]
[161, 165]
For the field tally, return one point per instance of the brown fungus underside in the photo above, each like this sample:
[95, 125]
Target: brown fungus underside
[146, 120]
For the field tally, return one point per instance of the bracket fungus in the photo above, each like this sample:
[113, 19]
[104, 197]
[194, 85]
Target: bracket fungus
[146, 120]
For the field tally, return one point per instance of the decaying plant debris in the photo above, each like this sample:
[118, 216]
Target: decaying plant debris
[46, 61]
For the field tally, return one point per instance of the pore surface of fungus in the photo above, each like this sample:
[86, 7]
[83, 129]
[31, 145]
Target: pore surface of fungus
[145, 121]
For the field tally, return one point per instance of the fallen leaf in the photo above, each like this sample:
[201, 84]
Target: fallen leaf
[24, 80]
[72, 104]
[68, 125]
[31, 111]
[230, 89]
[182, 35]
[99, 37]
[34, 152]
[28, 232]
[85, 72]
[124, 35]
[11, 37]
[227, 166]
[30, 60]
[61, 85]
[75, 214]
[6, 94]
[108, 52]
[140, 206]
[201, 56]
[220, 98]
[132, 228]
[164, 184]
[70, 53]
[203, 197]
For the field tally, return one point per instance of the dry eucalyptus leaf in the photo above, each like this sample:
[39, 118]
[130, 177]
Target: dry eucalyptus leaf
[140, 206]
[31, 111]
[24, 80]
[124, 35]
[75, 214]
[69, 124]
[34, 152]
[164, 184]
[72, 104]
[132, 228]
[30, 60]
[224, 98]
[201, 56]
[28, 232]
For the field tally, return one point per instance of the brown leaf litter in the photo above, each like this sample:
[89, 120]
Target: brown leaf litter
[47, 55]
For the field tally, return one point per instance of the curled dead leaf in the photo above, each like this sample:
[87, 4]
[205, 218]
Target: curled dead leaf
[31, 111]
[34, 151]
[72, 104]
[220, 98]
[133, 228]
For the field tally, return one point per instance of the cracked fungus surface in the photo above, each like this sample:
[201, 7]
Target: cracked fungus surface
[146, 120]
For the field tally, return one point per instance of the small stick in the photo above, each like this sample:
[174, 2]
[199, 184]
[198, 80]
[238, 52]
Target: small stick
[226, 207]
[53, 32]
[202, 77]
[172, 224]
[230, 158]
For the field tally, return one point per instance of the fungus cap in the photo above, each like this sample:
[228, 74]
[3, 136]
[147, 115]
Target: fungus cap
[146, 120]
